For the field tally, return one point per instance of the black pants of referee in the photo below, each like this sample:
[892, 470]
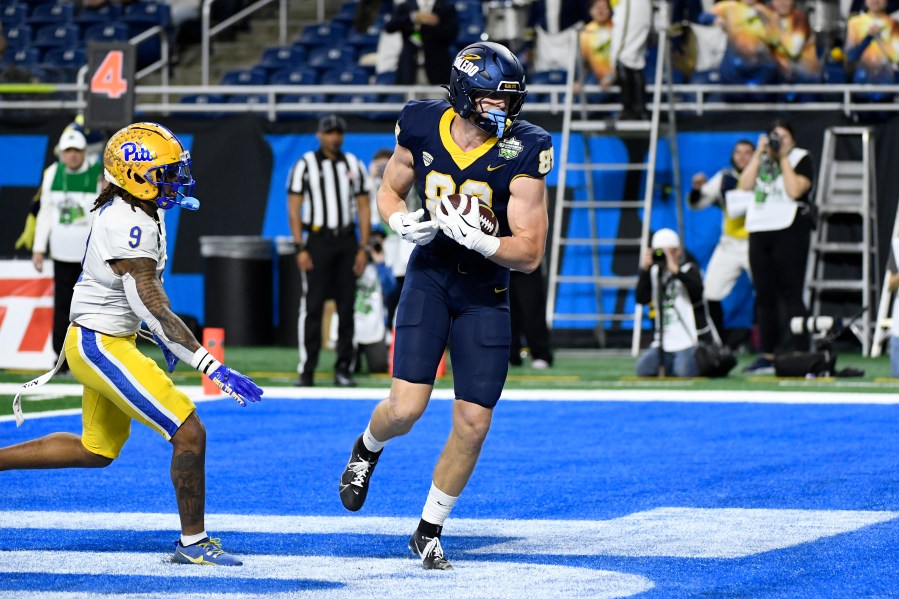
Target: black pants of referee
[65, 275]
[778, 260]
[527, 308]
[333, 257]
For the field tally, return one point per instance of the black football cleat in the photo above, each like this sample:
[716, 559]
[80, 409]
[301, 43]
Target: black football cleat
[355, 479]
[430, 551]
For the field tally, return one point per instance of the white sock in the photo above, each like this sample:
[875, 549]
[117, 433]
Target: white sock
[191, 539]
[371, 444]
[438, 506]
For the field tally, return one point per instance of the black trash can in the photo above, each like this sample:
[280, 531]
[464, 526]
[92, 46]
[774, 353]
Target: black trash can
[238, 287]
[289, 292]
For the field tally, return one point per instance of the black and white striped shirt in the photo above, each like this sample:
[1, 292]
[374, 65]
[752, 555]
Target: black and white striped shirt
[330, 188]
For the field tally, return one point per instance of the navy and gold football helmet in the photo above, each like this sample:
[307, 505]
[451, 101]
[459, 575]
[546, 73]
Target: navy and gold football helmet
[149, 162]
[485, 69]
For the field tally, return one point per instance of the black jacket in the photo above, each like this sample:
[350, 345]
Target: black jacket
[435, 41]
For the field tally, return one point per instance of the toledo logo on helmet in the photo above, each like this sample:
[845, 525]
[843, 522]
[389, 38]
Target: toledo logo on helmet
[464, 64]
[135, 153]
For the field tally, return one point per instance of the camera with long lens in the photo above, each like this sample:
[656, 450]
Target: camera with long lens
[815, 325]
[774, 142]
[658, 257]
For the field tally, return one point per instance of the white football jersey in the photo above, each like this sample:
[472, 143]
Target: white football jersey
[118, 232]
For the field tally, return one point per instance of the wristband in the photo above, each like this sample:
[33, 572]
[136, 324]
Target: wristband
[299, 247]
[203, 361]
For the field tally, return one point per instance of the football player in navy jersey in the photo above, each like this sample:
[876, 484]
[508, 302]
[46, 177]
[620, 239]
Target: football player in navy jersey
[456, 288]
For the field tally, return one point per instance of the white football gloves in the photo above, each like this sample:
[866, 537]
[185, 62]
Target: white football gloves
[464, 227]
[408, 227]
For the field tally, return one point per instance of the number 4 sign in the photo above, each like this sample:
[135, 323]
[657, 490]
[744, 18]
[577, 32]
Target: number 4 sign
[110, 94]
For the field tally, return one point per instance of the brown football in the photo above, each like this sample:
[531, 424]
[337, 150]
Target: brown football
[488, 221]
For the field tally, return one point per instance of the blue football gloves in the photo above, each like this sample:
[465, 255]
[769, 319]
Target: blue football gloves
[170, 358]
[239, 386]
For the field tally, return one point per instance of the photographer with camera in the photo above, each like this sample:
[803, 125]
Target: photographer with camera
[780, 221]
[675, 286]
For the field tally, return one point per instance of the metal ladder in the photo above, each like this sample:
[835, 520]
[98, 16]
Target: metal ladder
[844, 266]
[565, 204]
[884, 323]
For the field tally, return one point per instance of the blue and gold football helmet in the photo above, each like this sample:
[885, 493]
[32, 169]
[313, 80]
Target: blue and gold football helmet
[483, 69]
[149, 162]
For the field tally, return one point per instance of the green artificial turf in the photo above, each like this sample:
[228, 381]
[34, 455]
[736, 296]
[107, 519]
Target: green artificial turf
[276, 366]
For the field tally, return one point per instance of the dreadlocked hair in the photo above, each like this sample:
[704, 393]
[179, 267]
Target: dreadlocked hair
[109, 194]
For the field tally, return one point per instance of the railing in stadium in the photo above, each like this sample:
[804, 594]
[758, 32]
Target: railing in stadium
[690, 98]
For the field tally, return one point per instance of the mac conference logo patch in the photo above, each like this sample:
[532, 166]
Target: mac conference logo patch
[428, 159]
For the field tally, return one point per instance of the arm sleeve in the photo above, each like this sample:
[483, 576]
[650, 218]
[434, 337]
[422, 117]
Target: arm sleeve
[643, 293]
[709, 194]
[692, 281]
[806, 168]
[44, 214]
[134, 300]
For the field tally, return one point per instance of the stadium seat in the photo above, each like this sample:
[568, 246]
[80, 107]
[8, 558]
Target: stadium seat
[322, 35]
[469, 33]
[295, 76]
[67, 58]
[364, 42]
[104, 14]
[13, 14]
[344, 21]
[386, 78]
[548, 78]
[350, 76]
[348, 8]
[301, 99]
[53, 36]
[469, 12]
[109, 32]
[248, 99]
[18, 37]
[25, 57]
[254, 76]
[202, 99]
[52, 14]
[282, 58]
[147, 14]
[327, 59]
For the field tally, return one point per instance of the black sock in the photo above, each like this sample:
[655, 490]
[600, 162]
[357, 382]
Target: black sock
[429, 530]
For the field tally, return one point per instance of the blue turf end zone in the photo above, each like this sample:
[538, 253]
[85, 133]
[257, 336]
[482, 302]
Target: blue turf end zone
[690, 499]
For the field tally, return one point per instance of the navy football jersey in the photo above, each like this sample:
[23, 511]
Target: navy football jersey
[442, 168]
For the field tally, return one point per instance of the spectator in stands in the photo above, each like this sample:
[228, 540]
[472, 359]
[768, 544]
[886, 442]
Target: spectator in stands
[748, 57]
[780, 222]
[631, 23]
[596, 42]
[429, 28]
[68, 191]
[731, 256]
[553, 28]
[794, 44]
[872, 45]
[527, 308]
[664, 274]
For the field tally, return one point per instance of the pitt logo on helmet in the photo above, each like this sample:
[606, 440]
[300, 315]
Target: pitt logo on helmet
[133, 152]
[464, 64]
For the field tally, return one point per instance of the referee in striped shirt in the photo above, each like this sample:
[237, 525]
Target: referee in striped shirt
[326, 190]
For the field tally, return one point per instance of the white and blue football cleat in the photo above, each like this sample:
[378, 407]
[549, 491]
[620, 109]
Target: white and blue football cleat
[205, 553]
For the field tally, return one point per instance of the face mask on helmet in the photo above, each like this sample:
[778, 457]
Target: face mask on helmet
[175, 183]
[481, 71]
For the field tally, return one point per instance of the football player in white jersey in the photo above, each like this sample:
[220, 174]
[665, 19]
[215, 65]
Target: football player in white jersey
[120, 286]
